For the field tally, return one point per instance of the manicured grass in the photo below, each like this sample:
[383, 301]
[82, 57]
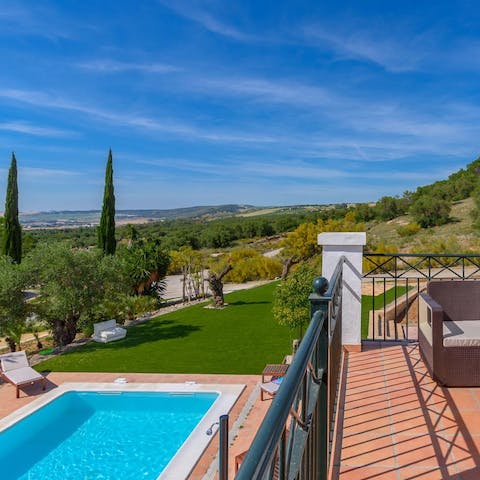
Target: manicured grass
[378, 302]
[241, 338]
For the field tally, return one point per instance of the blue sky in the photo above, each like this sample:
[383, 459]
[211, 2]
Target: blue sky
[258, 102]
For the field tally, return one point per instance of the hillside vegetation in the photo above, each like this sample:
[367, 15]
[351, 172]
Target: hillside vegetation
[438, 217]
[459, 234]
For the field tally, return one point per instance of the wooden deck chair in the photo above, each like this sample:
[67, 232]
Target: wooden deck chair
[14, 368]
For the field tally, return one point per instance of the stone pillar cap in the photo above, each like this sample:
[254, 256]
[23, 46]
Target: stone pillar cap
[342, 238]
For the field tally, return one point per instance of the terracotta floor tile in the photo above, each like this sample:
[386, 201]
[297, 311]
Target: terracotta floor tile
[410, 423]
[365, 449]
[366, 412]
[378, 408]
[462, 398]
[355, 401]
[366, 385]
[476, 394]
[418, 451]
[426, 473]
[367, 473]
[399, 398]
[462, 451]
[365, 392]
[368, 425]
[466, 419]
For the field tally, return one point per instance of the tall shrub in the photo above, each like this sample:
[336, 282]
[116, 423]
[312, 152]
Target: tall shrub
[12, 235]
[429, 211]
[290, 303]
[106, 230]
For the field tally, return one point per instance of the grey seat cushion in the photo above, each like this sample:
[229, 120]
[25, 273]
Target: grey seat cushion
[23, 375]
[465, 333]
[270, 387]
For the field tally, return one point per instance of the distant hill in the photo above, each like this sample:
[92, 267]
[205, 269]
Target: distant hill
[90, 218]
[70, 218]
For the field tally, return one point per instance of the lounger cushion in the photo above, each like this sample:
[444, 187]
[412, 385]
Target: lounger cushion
[112, 333]
[104, 326]
[23, 375]
[270, 387]
[12, 361]
[465, 333]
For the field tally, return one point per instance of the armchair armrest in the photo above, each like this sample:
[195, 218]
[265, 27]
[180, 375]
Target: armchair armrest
[434, 317]
[433, 306]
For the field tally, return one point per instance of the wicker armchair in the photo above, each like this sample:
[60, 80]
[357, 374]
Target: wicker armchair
[449, 331]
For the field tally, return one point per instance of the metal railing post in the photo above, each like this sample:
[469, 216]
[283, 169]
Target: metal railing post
[223, 450]
[318, 302]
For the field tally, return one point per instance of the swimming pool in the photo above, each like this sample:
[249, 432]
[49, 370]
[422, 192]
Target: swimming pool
[103, 431]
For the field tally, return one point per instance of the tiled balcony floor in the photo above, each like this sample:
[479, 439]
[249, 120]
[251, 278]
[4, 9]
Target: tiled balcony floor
[396, 423]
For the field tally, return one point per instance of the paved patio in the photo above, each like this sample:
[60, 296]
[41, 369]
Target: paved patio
[396, 423]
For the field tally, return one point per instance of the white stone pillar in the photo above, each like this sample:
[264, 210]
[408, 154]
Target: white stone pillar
[350, 245]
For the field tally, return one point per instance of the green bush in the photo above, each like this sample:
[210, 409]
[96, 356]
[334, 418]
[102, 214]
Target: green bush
[290, 302]
[409, 229]
[431, 211]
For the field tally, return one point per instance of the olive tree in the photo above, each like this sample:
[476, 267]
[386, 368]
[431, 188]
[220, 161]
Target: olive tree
[73, 285]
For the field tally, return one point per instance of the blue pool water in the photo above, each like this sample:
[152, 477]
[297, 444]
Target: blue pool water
[90, 435]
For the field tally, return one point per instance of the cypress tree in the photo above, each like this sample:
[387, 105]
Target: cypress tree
[106, 230]
[12, 234]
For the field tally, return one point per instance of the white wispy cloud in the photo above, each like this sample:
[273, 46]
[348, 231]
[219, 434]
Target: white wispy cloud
[381, 45]
[445, 128]
[292, 169]
[313, 172]
[116, 66]
[378, 148]
[141, 122]
[289, 92]
[49, 173]
[36, 130]
[198, 14]
[34, 19]
[378, 130]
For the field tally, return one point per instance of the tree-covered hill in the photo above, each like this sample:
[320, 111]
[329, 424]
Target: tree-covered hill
[397, 219]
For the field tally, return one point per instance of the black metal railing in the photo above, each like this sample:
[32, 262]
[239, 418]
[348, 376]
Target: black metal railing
[293, 441]
[392, 282]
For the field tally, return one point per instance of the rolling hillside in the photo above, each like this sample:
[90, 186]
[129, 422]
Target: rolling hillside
[459, 233]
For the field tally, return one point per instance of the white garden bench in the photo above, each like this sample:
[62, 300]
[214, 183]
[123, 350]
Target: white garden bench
[108, 331]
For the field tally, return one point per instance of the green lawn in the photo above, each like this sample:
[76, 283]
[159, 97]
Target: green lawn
[241, 338]
[378, 303]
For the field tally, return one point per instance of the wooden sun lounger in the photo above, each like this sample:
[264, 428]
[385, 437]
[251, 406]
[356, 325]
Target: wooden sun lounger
[16, 370]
